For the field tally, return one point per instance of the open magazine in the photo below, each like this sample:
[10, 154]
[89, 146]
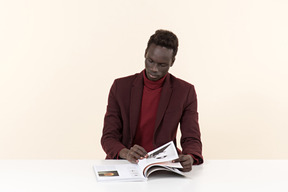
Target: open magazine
[159, 159]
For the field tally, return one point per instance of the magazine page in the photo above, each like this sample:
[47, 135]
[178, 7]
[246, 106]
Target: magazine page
[168, 166]
[159, 167]
[165, 153]
[121, 172]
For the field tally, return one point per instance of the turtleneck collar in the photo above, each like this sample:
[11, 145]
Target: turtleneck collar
[153, 84]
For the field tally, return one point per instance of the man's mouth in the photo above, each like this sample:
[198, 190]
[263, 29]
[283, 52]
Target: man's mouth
[152, 76]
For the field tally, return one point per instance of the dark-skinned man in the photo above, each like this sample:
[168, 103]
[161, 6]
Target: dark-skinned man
[145, 109]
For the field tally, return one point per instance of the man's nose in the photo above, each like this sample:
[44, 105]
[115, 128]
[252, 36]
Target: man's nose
[155, 67]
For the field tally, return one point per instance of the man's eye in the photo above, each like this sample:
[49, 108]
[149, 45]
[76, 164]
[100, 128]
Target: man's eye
[163, 65]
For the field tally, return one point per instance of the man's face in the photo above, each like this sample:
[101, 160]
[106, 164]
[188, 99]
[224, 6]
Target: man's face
[158, 60]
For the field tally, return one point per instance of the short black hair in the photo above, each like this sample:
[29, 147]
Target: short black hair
[166, 39]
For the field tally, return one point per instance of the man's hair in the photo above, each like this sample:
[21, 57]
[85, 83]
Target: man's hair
[164, 38]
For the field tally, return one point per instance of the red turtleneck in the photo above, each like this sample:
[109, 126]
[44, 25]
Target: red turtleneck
[150, 100]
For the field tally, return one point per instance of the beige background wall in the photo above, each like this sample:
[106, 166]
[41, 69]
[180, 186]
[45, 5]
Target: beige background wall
[58, 59]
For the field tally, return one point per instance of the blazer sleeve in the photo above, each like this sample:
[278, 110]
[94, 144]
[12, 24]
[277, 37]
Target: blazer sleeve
[113, 128]
[189, 126]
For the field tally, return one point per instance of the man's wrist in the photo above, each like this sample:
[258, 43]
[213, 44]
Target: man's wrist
[195, 160]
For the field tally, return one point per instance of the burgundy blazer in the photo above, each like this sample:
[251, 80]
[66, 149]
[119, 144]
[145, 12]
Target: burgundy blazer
[178, 104]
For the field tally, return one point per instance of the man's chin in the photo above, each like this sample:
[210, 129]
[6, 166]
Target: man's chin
[153, 77]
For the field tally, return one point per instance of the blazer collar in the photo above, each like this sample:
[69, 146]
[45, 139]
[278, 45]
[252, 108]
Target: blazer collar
[135, 103]
[164, 100]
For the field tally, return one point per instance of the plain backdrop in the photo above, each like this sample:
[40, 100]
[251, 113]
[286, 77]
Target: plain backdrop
[58, 59]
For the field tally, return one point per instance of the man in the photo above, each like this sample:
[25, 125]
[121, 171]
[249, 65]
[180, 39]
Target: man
[144, 109]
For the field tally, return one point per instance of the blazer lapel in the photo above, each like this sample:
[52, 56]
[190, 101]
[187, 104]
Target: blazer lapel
[164, 101]
[135, 104]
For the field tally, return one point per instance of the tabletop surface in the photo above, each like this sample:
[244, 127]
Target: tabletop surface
[78, 175]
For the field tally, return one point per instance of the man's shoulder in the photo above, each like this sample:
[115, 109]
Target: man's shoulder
[127, 79]
[130, 81]
[177, 82]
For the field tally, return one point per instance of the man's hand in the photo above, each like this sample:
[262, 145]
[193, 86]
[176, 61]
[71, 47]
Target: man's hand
[186, 162]
[136, 152]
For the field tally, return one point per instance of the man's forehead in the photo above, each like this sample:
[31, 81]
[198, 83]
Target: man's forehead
[159, 52]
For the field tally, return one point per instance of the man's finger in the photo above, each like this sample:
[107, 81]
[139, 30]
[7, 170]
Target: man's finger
[139, 150]
[180, 159]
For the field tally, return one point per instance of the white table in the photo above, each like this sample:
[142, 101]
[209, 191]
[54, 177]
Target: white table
[78, 175]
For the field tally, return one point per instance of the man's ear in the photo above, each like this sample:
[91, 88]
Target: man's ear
[173, 61]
